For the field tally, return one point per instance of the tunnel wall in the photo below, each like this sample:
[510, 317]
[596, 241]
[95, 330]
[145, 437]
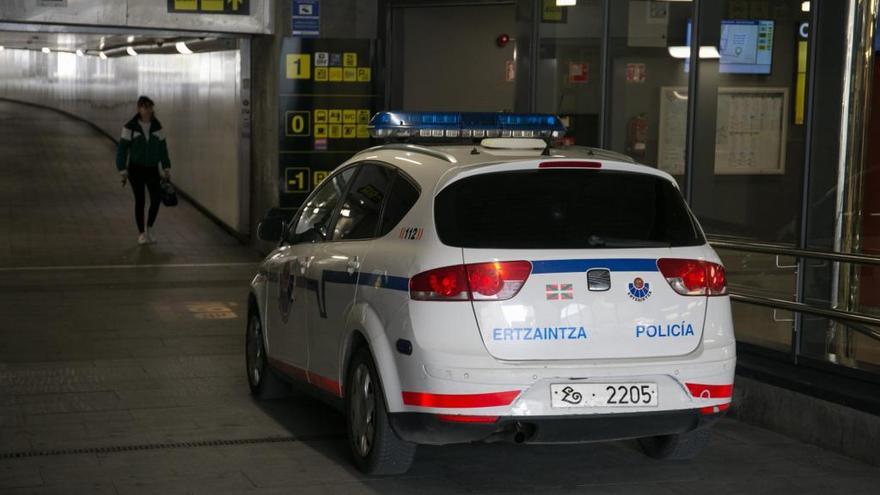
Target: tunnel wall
[197, 100]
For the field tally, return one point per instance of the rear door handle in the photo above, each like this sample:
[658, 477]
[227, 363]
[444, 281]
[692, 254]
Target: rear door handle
[353, 265]
[304, 263]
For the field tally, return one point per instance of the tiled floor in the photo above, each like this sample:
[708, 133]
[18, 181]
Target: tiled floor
[108, 375]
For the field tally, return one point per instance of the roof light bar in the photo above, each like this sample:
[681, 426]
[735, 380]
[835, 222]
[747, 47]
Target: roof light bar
[454, 125]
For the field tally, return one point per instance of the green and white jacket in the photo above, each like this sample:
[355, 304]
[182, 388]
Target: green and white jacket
[136, 148]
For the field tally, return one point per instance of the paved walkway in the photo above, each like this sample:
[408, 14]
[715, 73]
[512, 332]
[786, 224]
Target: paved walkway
[130, 380]
[61, 201]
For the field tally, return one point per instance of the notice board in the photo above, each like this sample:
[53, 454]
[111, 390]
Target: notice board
[327, 95]
[750, 130]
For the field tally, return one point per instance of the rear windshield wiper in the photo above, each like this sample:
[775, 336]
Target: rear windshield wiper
[595, 241]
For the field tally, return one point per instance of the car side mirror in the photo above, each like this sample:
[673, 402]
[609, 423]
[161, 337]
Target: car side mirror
[271, 229]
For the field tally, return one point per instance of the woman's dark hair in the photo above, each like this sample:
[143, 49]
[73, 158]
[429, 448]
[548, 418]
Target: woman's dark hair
[145, 101]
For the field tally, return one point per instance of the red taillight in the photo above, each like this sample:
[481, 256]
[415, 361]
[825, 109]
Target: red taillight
[497, 280]
[447, 283]
[569, 164]
[693, 277]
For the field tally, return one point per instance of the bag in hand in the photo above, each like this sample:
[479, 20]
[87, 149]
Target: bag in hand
[169, 194]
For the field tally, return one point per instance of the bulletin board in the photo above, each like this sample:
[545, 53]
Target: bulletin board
[750, 131]
[672, 131]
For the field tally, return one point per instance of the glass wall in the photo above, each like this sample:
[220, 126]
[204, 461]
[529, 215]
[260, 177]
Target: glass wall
[758, 109]
[648, 82]
[569, 67]
[747, 182]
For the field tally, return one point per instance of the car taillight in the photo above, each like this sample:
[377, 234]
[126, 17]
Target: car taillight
[441, 284]
[694, 277]
[498, 281]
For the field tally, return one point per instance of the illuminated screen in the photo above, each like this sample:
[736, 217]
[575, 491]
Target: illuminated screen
[746, 46]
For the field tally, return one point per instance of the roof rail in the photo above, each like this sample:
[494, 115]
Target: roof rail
[414, 148]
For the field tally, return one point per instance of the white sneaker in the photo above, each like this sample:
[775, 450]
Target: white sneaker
[143, 239]
[150, 238]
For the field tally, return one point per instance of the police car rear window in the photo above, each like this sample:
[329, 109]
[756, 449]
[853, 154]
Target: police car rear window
[564, 209]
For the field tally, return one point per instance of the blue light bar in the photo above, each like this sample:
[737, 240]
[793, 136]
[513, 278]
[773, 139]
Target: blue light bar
[466, 125]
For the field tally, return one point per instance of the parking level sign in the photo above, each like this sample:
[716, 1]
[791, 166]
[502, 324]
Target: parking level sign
[306, 18]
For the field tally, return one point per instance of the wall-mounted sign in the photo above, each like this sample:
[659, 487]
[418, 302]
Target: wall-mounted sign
[326, 99]
[233, 7]
[305, 18]
[551, 13]
[636, 73]
[578, 72]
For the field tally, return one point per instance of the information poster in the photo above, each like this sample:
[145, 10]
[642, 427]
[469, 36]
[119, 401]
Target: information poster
[327, 96]
[750, 130]
[671, 140]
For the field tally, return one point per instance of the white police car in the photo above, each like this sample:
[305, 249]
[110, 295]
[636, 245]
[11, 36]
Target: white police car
[491, 291]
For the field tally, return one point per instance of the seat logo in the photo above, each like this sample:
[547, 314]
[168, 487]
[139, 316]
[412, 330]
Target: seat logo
[638, 289]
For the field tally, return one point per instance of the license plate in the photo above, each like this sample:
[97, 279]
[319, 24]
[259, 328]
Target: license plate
[603, 394]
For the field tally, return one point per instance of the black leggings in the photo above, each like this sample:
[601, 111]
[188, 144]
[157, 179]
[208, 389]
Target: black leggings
[140, 176]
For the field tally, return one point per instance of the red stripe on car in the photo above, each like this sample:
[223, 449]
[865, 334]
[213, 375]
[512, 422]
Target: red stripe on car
[302, 375]
[493, 399]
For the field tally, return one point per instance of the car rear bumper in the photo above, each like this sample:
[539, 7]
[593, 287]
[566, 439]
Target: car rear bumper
[433, 429]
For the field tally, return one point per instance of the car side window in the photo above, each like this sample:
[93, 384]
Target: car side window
[312, 223]
[359, 213]
[400, 200]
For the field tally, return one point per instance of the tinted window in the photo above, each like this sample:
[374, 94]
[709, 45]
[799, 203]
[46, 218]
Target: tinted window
[359, 214]
[312, 222]
[401, 199]
[564, 209]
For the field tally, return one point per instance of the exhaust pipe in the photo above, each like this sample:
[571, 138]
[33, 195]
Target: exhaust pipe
[514, 433]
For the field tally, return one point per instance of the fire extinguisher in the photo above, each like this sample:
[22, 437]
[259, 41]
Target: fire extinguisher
[637, 137]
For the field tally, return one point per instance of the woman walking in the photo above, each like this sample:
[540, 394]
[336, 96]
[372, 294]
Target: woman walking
[141, 153]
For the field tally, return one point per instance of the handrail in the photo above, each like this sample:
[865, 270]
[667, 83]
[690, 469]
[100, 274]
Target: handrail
[765, 248]
[856, 321]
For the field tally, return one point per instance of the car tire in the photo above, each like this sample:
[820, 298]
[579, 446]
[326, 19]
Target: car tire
[263, 381]
[681, 447]
[376, 449]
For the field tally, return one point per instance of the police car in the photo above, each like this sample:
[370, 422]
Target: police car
[490, 287]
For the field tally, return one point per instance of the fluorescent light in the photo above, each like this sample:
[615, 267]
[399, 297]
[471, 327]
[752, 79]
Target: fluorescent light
[2, 48]
[566, 3]
[680, 51]
[131, 51]
[182, 48]
[130, 39]
[805, 6]
[709, 52]
[102, 55]
[45, 49]
[79, 53]
[685, 52]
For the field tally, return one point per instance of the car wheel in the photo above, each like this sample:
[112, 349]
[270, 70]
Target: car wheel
[377, 450]
[684, 446]
[262, 380]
